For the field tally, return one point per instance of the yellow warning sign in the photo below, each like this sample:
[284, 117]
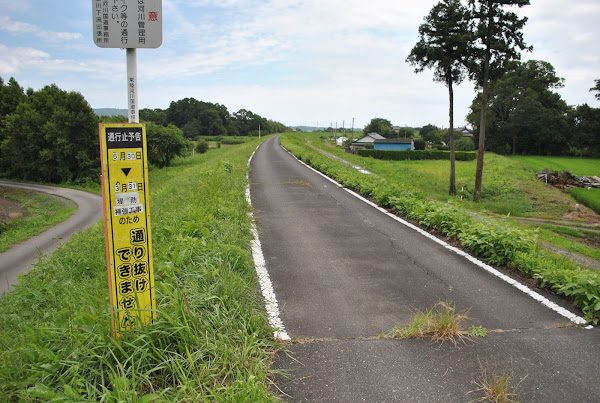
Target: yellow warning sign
[127, 224]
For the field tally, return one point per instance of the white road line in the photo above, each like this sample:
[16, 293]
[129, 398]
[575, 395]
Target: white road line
[263, 275]
[536, 296]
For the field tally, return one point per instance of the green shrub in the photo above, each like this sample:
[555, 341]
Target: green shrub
[564, 277]
[201, 146]
[419, 144]
[417, 155]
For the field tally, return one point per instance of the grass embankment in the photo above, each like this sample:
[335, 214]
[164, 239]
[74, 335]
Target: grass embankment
[499, 242]
[41, 212]
[210, 342]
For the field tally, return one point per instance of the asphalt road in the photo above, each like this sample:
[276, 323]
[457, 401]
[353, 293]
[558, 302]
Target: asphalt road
[22, 257]
[344, 272]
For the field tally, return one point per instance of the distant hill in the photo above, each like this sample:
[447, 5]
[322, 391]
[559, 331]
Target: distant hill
[110, 112]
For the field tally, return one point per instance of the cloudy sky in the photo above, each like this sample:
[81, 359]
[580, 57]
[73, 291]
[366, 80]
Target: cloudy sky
[300, 62]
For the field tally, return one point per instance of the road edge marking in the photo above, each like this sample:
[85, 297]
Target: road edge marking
[266, 285]
[578, 320]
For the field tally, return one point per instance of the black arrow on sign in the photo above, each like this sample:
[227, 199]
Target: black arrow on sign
[126, 171]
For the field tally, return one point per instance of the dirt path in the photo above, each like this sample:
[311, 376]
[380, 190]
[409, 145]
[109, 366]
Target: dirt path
[9, 208]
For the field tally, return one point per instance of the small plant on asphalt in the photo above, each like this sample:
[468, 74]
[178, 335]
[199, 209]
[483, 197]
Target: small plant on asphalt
[494, 382]
[477, 331]
[440, 323]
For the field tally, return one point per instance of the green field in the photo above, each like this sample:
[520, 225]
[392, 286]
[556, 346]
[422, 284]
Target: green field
[508, 187]
[579, 166]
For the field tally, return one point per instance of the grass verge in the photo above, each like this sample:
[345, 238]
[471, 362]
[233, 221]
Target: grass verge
[211, 341]
[41, 212]
[500, 243]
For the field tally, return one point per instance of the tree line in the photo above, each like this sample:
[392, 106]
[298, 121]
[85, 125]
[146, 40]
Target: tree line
[51, 135]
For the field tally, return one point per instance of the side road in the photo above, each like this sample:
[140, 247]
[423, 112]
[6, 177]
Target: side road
[344, 273]
[22, 257]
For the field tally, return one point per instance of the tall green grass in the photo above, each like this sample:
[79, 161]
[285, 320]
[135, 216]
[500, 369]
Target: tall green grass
[211, 341]
[579, 166]
[588, 197]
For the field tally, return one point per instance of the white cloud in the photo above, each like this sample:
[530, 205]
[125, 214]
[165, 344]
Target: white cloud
[18, 27]
[15, 59]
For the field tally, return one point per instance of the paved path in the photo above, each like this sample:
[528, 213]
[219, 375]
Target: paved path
[344, 272]
[22, 257]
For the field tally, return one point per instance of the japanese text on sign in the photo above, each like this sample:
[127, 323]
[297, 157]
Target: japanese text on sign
[127, 23]
[127, 224]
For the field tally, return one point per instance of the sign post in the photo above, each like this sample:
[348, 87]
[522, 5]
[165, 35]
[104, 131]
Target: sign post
[127, 224]
[127, 24]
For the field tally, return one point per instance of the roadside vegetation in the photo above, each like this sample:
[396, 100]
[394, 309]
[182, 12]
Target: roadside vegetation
[211, 341]
[417, 190]
[40, 212]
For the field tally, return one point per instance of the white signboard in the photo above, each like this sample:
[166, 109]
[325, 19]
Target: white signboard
[127, 23]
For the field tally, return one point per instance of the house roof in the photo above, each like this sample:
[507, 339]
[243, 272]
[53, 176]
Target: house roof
[369, 138]
[394, 141]
[375, 136]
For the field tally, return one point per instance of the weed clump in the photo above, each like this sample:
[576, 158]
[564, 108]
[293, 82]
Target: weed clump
[494, 382]
[441, 323]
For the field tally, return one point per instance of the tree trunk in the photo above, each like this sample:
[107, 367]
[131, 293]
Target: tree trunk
[482, 126]
[452, 156]
[514, 150]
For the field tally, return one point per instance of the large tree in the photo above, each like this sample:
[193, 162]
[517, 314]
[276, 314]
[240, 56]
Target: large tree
[52, 136]
[499, 40]
[165, 143]
[525, 115]
[380, 126]
[443, 44]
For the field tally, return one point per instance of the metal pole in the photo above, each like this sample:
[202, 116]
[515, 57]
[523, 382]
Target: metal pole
[335, 134]
[132, 88]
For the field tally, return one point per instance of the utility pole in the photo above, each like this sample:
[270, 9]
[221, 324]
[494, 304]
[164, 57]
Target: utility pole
[352, 135]
[335, 134]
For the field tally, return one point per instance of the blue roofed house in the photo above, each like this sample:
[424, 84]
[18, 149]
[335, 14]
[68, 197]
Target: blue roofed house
[394, 144]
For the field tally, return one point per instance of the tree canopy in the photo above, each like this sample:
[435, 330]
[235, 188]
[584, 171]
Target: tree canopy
[165, 143]
[380, 126]
[525, 114]
[51, 136]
